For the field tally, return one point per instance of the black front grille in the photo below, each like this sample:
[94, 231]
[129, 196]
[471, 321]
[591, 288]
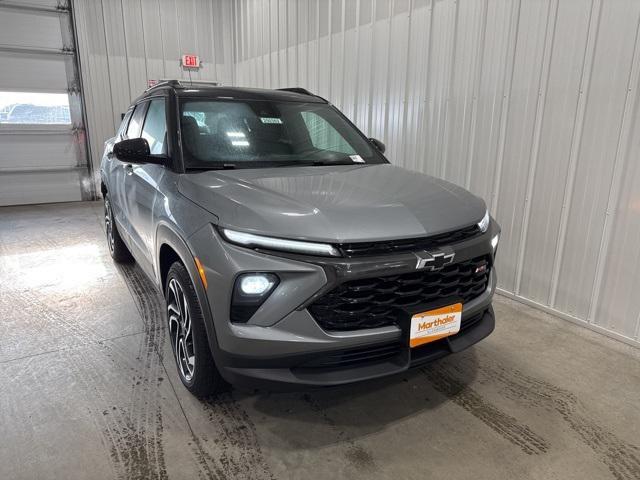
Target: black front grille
[377, 302]
[364, 249]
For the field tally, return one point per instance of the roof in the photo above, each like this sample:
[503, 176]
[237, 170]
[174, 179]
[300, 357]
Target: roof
[185, 88]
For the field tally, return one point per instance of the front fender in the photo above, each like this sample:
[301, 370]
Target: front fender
[166, 235]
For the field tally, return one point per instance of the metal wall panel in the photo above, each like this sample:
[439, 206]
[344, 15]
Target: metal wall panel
[531, 104]
[601, 138]
[122, 45]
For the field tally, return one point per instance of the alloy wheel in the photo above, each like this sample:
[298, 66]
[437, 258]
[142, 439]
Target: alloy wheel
[108, 224]
[180, 329]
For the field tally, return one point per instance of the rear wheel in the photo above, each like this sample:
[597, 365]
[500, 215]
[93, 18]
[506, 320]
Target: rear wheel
[118, 250]
[196, 367]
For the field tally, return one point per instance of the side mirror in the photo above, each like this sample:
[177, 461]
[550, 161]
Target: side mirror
[135, 150]
[378, 144]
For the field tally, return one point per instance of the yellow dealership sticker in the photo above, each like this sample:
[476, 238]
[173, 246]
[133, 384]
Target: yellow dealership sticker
[435, 324]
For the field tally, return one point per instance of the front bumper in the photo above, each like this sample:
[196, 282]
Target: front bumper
[282, 345]
[307, 370]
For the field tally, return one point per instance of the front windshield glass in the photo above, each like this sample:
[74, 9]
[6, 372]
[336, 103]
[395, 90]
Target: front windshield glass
[257, 133]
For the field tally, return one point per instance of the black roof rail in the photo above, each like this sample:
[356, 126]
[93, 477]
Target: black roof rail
[301, 90]
[161, 83]
[176, 83]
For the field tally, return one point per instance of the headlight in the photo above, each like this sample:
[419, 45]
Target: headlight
[494, 242]
[483, 224]
[249, 292]
[272, 243]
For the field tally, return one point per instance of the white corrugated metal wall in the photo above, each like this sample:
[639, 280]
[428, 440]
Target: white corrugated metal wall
[531, 104]
[123, 44]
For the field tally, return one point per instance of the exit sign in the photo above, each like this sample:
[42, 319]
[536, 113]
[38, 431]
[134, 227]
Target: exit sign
[190, 61]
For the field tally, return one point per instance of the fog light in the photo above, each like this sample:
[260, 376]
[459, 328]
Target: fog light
[255, 284]
[250, 291]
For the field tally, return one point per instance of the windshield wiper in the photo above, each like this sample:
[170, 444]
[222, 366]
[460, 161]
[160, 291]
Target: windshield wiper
[220, 166]
[313, 163]
[338, 161]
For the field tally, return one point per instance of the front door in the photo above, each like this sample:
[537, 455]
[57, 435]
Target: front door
[120, 173]
[141, 183]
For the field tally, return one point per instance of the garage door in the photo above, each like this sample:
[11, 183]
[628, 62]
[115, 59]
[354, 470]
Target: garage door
[43, 148]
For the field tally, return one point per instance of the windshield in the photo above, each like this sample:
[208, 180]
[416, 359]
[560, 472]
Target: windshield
[257, 133]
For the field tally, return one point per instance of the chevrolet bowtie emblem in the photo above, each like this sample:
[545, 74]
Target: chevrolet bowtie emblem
[433, 261]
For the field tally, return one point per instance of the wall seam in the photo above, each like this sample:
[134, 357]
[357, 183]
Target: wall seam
[164, 56]
[620, 160]
[175, 9]
[504, 115]
[444, 153]
[343, 33]
[581, 109]
[214, 62]
[387, 86]
[126, 50]
[476, 93]
[405, 97]
[144, 43]
[357, 69]
[374, 7]
[106, 54]
[545, 73]
[423, 124]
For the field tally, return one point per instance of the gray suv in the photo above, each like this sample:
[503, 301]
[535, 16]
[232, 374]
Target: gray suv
[290, 252]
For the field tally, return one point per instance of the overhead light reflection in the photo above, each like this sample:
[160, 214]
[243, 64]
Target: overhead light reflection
[74, 267]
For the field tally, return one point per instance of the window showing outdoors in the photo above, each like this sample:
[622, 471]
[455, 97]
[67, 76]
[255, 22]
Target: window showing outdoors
[324, 136]
[155, 127]
[34, 108]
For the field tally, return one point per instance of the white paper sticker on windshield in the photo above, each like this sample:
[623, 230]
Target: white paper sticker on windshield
[356, 158]
[270, 120]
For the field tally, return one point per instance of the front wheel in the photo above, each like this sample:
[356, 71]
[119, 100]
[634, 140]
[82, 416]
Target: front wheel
[196, 367]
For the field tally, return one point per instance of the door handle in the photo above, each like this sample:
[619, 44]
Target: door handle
[129, 169]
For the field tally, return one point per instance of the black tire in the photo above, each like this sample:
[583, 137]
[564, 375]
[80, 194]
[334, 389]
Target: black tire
[118, 250]
[201, 377]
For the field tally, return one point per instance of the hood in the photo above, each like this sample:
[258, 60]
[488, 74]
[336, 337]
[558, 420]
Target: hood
[333, 203]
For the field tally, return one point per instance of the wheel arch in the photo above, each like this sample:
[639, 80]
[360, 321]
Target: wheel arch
[171, 247]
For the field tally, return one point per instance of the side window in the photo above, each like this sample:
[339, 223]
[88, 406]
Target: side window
[123, 125]
[324, 136]
[135, 125]
[155, 127]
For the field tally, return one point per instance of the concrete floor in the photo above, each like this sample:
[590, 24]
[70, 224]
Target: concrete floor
[88, 389]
